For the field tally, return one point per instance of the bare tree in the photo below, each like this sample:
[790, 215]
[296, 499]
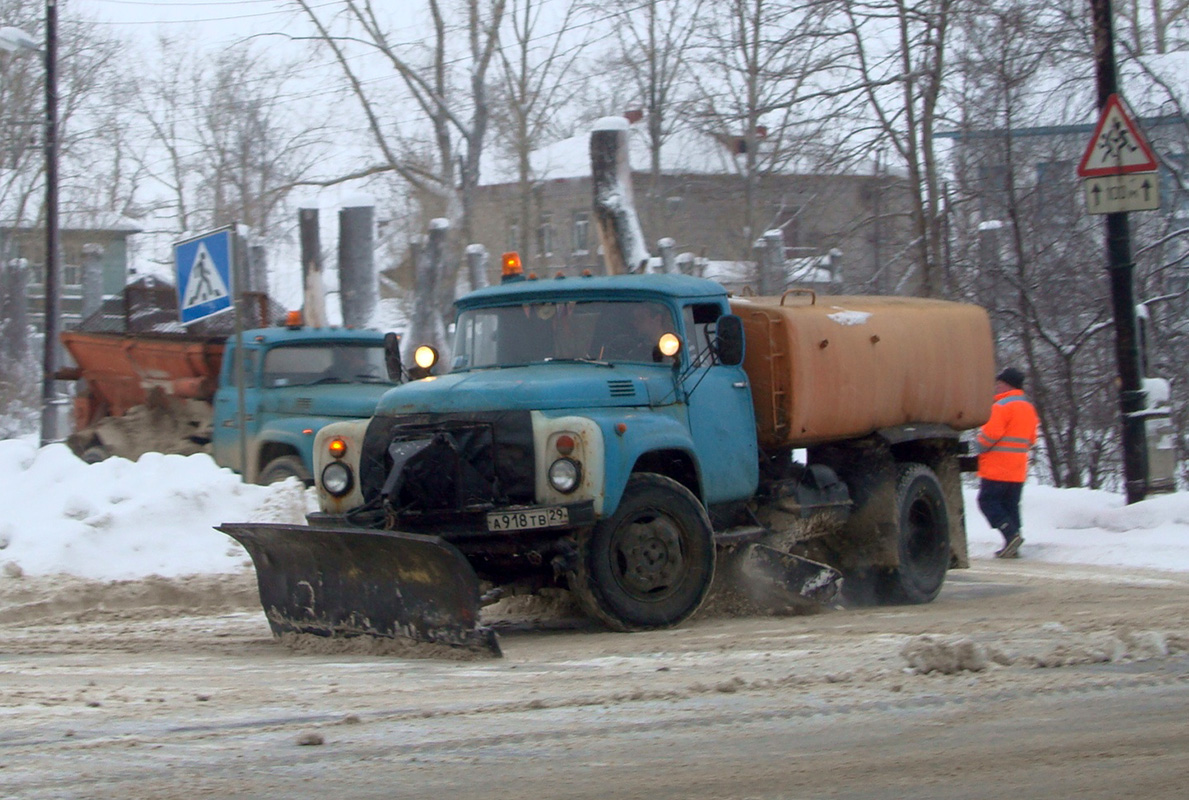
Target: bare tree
[1034, 257]
[765, 70]
[536, 60]
[86, 74]
[219, 139]
[900, 54]
[1152, 26]
[444, 74]
[656, 41]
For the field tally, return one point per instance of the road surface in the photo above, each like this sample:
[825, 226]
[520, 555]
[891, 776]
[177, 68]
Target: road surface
[1022, 680]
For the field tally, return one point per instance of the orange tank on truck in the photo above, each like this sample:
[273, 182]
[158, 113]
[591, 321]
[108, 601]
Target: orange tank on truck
[837, 367]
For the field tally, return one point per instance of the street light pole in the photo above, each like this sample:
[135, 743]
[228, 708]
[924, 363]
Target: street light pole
[49, 409]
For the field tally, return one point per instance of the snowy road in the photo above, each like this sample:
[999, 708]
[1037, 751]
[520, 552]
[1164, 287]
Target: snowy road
[1060, 681]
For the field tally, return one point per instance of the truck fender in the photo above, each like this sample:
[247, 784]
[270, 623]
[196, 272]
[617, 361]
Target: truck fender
[647, 442]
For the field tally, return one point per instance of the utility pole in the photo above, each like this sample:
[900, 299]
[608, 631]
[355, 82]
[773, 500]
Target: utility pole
[49, 394]
[1118, 244]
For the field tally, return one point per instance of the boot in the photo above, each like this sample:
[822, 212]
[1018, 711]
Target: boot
[1012, 548]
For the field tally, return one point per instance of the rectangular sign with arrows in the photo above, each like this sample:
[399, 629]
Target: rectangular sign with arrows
[1138, 191]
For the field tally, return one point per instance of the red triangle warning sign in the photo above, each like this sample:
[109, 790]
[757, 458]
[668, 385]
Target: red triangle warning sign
[1117, 146]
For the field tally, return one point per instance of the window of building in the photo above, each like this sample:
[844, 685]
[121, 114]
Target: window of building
[512, 230]
[545, 235]
[1173, 199]
[787, 218]
[992, 189]
[1055, 185]
[581, 232]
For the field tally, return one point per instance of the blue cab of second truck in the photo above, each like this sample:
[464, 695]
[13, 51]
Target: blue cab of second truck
[296, 381]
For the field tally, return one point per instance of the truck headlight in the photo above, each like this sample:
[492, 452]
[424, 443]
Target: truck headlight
[336, 478]
[564, 475]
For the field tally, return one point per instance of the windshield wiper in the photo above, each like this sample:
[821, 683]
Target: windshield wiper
[578, 361]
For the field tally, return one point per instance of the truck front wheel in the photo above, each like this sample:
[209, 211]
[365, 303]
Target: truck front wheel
[922, 538]
[650, 564]
[283, 467]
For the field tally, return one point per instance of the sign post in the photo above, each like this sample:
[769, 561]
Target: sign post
[208, 273]
[1119, 149]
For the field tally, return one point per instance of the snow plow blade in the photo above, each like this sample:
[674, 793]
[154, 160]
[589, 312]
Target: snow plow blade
[356, 582]
[780, 581]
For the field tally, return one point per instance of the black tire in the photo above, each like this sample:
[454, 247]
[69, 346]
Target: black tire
[922, 538]
[95, 453]
[650, 564]
[283, 467]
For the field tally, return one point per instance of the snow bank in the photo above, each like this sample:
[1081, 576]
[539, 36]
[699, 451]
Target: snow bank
[121, 519]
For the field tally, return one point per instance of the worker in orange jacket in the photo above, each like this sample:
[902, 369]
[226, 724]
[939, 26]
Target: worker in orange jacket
[1003, 444]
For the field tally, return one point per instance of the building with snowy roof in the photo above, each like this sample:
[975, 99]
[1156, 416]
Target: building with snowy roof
[843, 231]
[103, 242]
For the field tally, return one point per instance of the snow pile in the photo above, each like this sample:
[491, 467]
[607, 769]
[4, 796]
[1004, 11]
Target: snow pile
[120, 519]
[1086, 526]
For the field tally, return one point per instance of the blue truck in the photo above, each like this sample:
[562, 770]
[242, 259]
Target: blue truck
[627, 437]
[177, 393]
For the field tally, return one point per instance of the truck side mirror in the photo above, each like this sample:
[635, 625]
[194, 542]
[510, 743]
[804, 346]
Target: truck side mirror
[392, 356]
[728, 340]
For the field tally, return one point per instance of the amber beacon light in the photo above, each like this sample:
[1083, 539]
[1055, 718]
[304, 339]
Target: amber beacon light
[510, 265]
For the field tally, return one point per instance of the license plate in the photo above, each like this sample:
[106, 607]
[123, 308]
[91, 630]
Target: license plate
[528, 518]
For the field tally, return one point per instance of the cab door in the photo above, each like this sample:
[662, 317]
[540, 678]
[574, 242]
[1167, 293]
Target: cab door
[225, 440]
[721, 415]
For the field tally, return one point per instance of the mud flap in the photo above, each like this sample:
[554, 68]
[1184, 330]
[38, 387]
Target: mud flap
[358, 582]
[779, 581]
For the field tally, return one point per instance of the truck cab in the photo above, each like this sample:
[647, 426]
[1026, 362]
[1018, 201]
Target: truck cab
[295, 381]
[579, 360]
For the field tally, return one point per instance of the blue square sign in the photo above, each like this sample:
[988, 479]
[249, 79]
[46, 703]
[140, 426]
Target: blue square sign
[204, 274]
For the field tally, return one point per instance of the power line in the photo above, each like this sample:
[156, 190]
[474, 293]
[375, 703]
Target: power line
[193, 21]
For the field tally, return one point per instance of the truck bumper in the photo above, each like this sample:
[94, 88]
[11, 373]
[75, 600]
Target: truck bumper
[470, 526]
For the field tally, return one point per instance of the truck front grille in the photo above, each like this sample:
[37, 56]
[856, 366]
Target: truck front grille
[449, 462]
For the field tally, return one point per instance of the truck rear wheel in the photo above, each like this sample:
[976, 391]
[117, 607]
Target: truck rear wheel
[283, 467]
[922, 538]
[650, 564]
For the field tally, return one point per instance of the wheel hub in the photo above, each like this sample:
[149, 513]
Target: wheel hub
[648, 555]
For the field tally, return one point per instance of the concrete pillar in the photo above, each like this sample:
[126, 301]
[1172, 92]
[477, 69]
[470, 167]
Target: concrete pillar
[357, 265]
[92, 279]
[14, 311]
[477, 265]
[313, 290]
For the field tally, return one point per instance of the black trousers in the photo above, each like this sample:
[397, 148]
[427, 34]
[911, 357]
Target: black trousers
[1000, 503]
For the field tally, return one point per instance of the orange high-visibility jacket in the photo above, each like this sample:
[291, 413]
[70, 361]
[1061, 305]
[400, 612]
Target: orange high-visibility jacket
[1004, 441]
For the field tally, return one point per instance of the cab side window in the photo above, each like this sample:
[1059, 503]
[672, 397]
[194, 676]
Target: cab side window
[700, 320]
[250, 359]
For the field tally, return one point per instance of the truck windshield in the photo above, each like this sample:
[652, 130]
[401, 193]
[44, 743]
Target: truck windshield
[538, 332]
[306, 365]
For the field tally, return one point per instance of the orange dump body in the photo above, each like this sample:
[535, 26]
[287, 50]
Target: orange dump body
[825, 368]
[121, 370]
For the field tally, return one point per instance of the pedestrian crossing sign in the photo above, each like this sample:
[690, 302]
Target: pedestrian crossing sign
[204, 274]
